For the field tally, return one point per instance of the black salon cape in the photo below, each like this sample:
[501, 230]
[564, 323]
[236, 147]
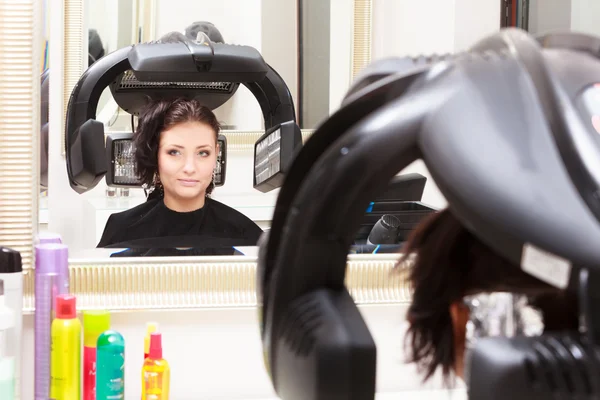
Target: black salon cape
[152, 224]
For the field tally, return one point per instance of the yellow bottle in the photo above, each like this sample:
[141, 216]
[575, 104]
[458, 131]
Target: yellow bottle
[65, 352]
[150, 327]
[156, 374]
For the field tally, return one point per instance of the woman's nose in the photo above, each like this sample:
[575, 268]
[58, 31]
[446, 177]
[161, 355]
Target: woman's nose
[190, 165]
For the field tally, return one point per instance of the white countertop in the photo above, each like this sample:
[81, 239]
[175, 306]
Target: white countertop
[415, 395]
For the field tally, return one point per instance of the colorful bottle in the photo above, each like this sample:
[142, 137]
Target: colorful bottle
[65, 353]
[7, 362]
[150, 327]
[110, 374]
[156, 374]
[11, 272]
[94, 324]
[48, 237]
[51, 260]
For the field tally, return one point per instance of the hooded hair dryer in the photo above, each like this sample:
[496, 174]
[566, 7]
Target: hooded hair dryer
[489, 125]
[203, 70]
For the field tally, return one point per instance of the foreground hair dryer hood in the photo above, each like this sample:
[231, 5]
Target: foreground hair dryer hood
[210, 72]
[488, 124]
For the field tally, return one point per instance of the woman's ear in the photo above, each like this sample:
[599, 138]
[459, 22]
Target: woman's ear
[459, 312]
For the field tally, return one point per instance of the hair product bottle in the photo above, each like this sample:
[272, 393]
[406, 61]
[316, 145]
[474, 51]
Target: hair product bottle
[11, 273]
[48, 237]
[7, 362]
[94, 323]
[49, 259]
[110, 373]
[65, 354]
[150, 327]
[156, 374]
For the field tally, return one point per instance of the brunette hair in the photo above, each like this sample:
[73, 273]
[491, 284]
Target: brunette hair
[451, 263]
[158, 116]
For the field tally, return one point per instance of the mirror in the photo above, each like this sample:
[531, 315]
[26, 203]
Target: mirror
[298, 38]
[310, 44]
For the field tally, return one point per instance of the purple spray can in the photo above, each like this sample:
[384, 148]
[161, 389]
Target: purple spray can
[51, 279]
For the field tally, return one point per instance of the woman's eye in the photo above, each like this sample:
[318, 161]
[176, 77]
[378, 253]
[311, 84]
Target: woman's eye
[204, 153]
[173, 152]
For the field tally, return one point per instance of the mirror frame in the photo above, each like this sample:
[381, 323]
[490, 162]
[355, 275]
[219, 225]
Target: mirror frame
[122, 284]
[20, 70]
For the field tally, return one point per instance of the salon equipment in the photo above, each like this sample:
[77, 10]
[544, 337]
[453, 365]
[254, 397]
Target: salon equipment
[203, 70]
[208, 28]
[480, 122]
[11, 274]
[385, 231]
[401, 199]
[121, 163]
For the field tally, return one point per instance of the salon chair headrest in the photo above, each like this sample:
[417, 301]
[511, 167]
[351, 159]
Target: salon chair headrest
[488, 124]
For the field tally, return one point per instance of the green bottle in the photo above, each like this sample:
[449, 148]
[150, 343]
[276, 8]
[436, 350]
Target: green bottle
[110, 366]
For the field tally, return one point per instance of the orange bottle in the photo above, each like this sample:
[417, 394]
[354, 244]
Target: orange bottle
[156, 374]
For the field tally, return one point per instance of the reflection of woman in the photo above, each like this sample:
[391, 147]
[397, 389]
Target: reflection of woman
[451, 264]
[176, 152]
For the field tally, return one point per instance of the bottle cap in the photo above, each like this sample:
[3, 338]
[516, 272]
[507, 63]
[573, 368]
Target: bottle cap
[10, 261]
[65, 306]
[51, 257]
[49, 237]
[155, 346]
[94, 323]
[150, 327]
[111, 338]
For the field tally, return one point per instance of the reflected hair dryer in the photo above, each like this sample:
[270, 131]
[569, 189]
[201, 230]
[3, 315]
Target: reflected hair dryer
[489, 125]
[385, 231]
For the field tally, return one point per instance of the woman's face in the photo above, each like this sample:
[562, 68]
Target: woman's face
[187, 155]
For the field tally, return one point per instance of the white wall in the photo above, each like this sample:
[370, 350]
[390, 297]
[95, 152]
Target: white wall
[279, 41]
[564, 15]
[585, 16]
[473, 20]
[340, 52]
[108, 28]
[550, 15]
[410, 28]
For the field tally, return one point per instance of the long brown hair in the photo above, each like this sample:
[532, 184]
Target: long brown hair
[451, 263]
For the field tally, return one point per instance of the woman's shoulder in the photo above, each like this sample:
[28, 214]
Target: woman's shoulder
[232, 216]
[226, 212]
[117, 221]
[132, 214]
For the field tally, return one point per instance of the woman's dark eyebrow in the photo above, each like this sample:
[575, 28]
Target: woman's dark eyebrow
[181, 147]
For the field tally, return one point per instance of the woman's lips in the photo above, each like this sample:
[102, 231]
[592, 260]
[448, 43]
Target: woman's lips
[188, 182]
